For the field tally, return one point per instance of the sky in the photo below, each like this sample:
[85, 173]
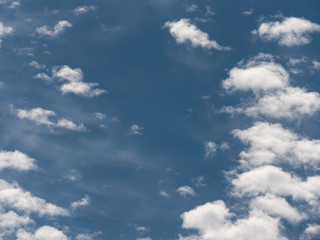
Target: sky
[159, 120]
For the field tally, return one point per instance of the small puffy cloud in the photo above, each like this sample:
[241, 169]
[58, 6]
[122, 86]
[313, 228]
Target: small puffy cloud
[75, 83]
[37, 65]
[15, 4]
[16, 160]
[83, 9]
[85, 201]
[142, 229]
[248, 12]
[38, 115]
[184, 31]
[43, 76]
[67, 124]
[4, 31]
[11, 220]
[13, 196]
[311, 232]
[164, 194]
[290, 32]
[43, 233]
[135, 130]
[273, 144]
[210, 148]
[185, 191]
[54, 32]
[273, 180]
[100, 116]
[213, 221]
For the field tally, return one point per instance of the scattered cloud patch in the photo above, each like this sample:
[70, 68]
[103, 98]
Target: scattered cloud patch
[83, 9]
[100, 116]
[289, 32]
[191, 8]
[184, 31]
[135, 130]
[16, 160]
[164, 194]
[15, 4]
[185, 191]
[248, 12]
[67, 124]
[54, 32]
[37, 65]
[4, 31]
[199, 181]
[43, 76]
[210, 149]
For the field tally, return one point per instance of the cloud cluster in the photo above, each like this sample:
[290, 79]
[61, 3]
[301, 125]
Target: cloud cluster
[289, 32]
[16, 160]
[271, 195]
[43, 233]
[54, 32]
[184, 31]
[275, 97]
[72, 81]
[41, 117]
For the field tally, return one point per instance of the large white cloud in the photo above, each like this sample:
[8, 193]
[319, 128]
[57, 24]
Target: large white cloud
[273, 144]
[43, 233]
[16, 160]
[13, 196]
[290, 32]
[54, 32]
[74, 82]
[213, 221]
[184, 31]
[273, 180]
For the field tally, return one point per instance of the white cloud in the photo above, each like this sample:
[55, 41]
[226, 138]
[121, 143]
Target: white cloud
[316, 65]
[43, 233]
[311, 232]
[142, 229]
[164, 194]
[184, 31]
[57, 30]
[213, 221]
[135, 130]
[144, 238]
[248, 12]
[38, 115]
[12, 195]
[37, 65]
[83, 9]
[273, 180]
[273, 144]
[185, 191]
[191, 8]
[210, 148]
[15, 4]
[43, 76]
[81, 203]
[67, 124]
[290, 32]
[274, 96]
[4, 31]
[11, 220]
[199, 181]
[257, 76]
[16, 160]
[75, 84]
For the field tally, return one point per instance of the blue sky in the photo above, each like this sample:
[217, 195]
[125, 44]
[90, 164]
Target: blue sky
[159, 119]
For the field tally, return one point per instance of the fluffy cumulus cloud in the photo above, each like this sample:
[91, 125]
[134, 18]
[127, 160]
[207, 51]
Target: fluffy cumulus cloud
[11, 220]
[184, 31]
[73, 82]
[213, 221]
[43, 233]
[289, 32]
[16, 160]
[4, 31]
[135, 130]
[54, 32]
[185, 191]
[13, 196]
[273, 144]
[210, 148]
[41, 117]
[274, 95]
